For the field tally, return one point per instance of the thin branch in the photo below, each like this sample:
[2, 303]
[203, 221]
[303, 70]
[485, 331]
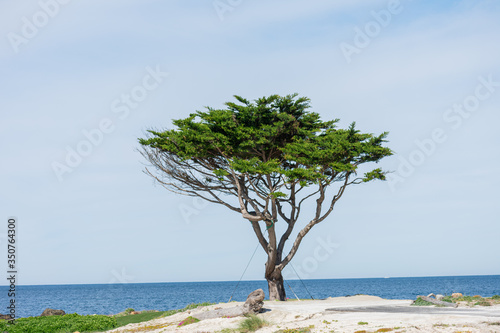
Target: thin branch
[317, 219]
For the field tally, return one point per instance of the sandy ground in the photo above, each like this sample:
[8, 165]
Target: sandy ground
[340, 314]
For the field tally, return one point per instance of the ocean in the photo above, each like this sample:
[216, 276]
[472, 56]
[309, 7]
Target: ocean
[114, 298]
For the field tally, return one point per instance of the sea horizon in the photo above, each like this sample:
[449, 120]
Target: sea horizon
[257, 280]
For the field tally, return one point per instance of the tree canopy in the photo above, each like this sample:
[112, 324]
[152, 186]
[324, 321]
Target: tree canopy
[263, 159]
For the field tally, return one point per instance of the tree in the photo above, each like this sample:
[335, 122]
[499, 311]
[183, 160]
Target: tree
[264, 159]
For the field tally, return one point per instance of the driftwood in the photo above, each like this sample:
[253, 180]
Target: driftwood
[435, 301]
[252, 305]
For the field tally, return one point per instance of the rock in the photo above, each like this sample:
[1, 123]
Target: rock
[431, 295]
[134, 312]
[477, 296]
[439, 297]
[235, 311]
[255, 301]
[5, 317]
[456, 295]
[52, 312]
[252, 305]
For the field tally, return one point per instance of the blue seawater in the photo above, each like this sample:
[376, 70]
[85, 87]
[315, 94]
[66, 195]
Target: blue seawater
[114, 298]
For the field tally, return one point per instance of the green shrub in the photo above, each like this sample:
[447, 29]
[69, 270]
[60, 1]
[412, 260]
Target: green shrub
[59, 324]
[448, 299]
[362, 323]
[465, 299]
[251, 324]
[127, 311]
[495, 297]
[483, 303]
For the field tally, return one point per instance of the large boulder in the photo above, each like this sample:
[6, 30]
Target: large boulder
[52, 312]
[456, 295]
[255, 301]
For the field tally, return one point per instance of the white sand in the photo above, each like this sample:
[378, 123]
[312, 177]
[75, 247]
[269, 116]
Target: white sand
[299, 314]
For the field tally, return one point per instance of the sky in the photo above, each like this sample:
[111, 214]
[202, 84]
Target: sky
[81, 81]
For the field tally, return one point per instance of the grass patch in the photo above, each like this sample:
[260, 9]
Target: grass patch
[295, 330]
[138, 318]
[251, 324]
[474, 300]
[148, 328]
[60, 324]
[189, 320]
[384, 330]
[421, 302]
[188, 307]
[362, 323]
[125, 319]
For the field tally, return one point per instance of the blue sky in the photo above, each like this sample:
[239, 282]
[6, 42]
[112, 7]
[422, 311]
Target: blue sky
[428, 73]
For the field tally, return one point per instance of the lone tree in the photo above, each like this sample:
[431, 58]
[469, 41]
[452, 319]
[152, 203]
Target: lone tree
[264, 160]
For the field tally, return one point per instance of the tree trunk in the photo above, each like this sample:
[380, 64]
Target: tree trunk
[276, 288]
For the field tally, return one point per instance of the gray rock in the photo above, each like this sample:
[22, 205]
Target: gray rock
[439, 297]
[255, 301]
[252, 305]
[52, 312]
[431, 295]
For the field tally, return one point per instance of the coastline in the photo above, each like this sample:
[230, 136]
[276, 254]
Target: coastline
[361, 313]
[113, 298]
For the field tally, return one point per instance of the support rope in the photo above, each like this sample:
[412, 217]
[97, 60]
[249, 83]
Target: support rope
[298, 299]
[253, 254]
[301, 281]
[258, 244]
